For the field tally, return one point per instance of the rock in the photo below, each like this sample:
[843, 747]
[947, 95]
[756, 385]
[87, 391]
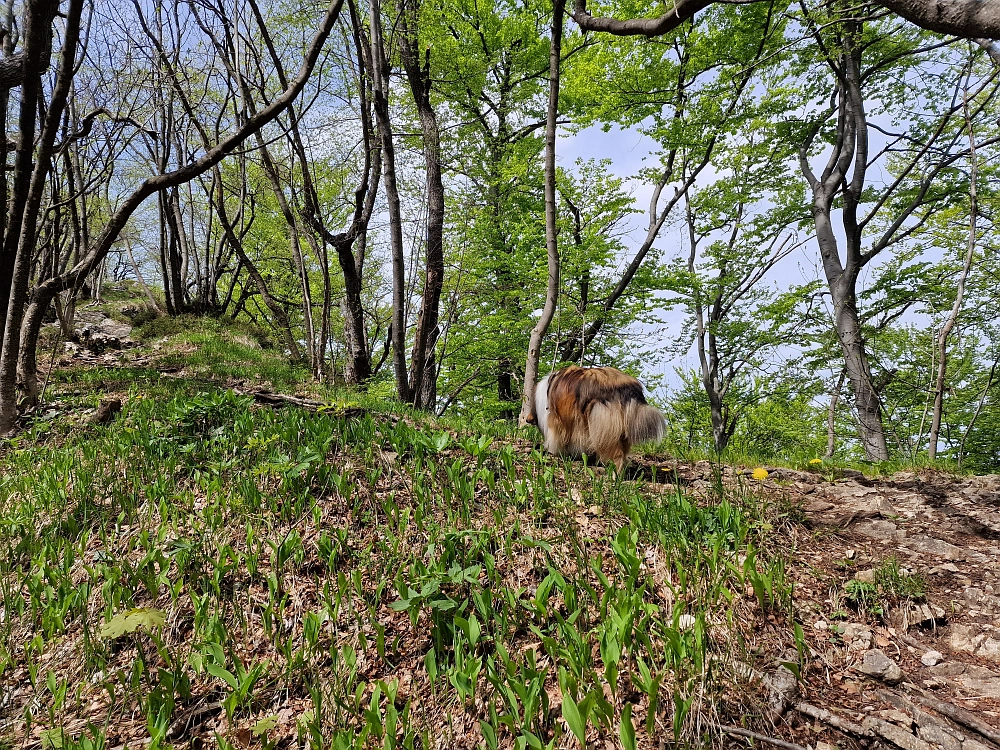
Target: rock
[106, 412]
[848, 474]
[857, 636]
[931, 658]
[926, 545]
[825, 746]
[896, 717]
[939, 735]
[782, 686]
[978, 598]
[965, 638]
[948, 669]
[865, 576]
[896, 735]
[876, 664]
[986, 688]
[923, 615]
[821, 625]
[880, 530]
[815, 505]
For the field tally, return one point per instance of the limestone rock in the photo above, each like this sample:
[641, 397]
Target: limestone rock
[931, 658]
[926, 545]
[876, 664]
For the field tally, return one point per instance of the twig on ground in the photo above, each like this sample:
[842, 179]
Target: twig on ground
[760, 737]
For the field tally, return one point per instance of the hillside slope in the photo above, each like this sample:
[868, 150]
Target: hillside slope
[214, 566]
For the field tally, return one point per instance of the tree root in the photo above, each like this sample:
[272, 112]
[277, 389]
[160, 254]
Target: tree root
[828, 717]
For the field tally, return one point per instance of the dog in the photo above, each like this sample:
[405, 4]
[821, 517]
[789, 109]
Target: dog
[598, 411]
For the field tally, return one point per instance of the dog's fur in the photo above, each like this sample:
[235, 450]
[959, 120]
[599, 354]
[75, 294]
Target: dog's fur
[599, 411]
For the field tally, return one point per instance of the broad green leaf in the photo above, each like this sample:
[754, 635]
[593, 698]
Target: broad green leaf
[223, 674]
[146, 618]
[263, 726]
[626, 732]
[576, 721]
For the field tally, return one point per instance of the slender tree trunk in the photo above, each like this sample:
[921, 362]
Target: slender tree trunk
[979, 409]
[277, 310]
[142, 281]
[551, 237]
[949, 324]
[380, 94]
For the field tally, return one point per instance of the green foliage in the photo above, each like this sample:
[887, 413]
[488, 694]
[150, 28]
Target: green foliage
[266, 553]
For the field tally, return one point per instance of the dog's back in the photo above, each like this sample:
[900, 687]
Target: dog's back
[595, 410]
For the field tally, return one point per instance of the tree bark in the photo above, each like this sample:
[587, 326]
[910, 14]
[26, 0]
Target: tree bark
[380, 95]
[31, 173]
[551, 230]
[831, 417]
[422, 360]
[965, 18]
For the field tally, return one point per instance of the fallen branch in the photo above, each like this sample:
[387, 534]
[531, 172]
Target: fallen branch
[760, 737]
[828, 717]
[283, 399]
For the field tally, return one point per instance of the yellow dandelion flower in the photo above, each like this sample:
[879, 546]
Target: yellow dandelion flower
[815, 461]
[759, 474]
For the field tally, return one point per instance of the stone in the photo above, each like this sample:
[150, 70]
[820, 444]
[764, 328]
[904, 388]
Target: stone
[896, 717]
[880, 530]
[865, 576]
[857, 636]
[896, 735]
[783, 687]
[966, 638]
[939, 735]
[924, 615]
[876, 664]
[926, 545]
[948, 669]
[931, 658]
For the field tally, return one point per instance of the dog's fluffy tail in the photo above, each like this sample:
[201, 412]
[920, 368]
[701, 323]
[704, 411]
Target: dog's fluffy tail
[643, 423]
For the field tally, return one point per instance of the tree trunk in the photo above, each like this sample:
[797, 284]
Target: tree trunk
[866, 398]
[422, 360]
[551, 237]
[949, 324]
[31, 172]
[380, 94]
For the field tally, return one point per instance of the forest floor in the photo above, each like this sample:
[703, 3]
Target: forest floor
[214, 565]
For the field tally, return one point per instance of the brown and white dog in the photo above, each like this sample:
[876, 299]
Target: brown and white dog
[599, 411]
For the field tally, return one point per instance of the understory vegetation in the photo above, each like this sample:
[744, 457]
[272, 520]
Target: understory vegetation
[206, 566]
